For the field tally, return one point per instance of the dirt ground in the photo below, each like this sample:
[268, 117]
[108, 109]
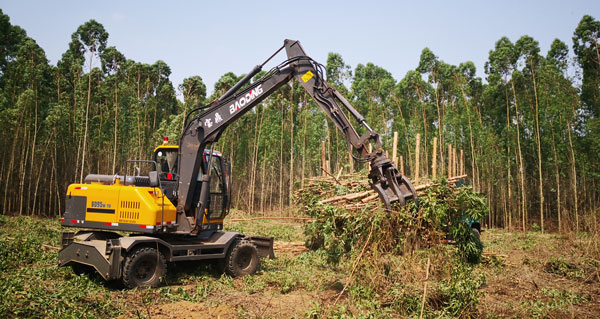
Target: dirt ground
[528, 275]
[535, 275]
[240, 305]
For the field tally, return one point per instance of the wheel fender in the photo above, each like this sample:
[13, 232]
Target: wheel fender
[128, 243]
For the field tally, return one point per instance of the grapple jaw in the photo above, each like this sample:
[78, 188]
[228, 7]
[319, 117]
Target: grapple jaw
[387, 181]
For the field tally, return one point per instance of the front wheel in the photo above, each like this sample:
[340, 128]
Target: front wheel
[144, 267]
[241, 259]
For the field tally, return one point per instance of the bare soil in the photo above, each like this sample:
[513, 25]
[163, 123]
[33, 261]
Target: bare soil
[535, 275]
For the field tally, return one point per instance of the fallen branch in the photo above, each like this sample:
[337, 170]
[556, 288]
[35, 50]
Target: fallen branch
[355, 265]
[335, 179]
[48, 247]
[425, 288]
[490, 253]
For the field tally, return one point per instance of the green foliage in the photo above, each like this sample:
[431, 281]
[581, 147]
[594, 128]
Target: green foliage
[441, 209]
[585, 45]
[32, 284]
[458, 295]
[554, 300]
[339, 231]
[563, 268]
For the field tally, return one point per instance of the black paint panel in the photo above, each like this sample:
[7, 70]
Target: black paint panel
[101, 210]
[75, 207]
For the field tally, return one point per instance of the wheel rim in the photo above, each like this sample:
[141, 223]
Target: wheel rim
[145, 270]
[244, 259]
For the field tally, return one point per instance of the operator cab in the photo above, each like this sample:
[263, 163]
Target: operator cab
[166, 157]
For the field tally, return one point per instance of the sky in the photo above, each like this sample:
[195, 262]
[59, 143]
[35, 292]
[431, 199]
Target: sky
[211, 38]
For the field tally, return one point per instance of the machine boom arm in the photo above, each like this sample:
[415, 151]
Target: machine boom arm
[207, 127]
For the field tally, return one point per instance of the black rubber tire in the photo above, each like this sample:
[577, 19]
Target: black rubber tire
[144, 267]
[241, 259]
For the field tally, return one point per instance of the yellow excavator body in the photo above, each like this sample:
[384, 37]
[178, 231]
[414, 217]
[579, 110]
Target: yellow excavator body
[118, 207]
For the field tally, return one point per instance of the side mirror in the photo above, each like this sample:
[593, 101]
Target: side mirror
[153, 175]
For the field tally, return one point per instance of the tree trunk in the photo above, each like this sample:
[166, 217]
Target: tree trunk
[87, 110]
[539, 146]
[440, 124]
[291, 185]
[557, 177]
[521, 168]
[281, 163]
[469, 121]
[573, 176]
[508, 156]
[304, 134]
[114, 162]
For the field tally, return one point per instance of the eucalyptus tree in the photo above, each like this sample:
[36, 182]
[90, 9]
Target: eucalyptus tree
[587, 51]
[412, 96]
[429, 65]
[502, 63]
[10, 37]
[193, 90]
[373, 88]
[338, 72]
[112, 62]
[25, 82]
[90, 38]
[529, 50]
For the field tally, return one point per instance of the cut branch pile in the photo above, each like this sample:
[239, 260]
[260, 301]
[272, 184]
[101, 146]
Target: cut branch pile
[357, 193]
[345, 208]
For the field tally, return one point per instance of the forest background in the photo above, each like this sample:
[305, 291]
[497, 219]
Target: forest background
[530, 130]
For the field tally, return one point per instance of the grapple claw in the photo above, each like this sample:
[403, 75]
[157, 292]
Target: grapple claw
[387, 181]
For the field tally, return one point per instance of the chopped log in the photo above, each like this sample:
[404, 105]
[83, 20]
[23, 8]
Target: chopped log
[369, 198]
[337, 178]
[358, 195]
[423, 186]
[345, 197]
[456, 178]
[332, 199]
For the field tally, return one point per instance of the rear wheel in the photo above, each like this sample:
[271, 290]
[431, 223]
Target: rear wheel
[144, 267]
[241, 259]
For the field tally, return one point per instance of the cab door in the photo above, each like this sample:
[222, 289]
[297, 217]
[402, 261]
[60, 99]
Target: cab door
[218, 189]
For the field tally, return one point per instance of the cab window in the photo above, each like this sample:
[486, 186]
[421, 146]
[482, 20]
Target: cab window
[216, 176]
[167, 164]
